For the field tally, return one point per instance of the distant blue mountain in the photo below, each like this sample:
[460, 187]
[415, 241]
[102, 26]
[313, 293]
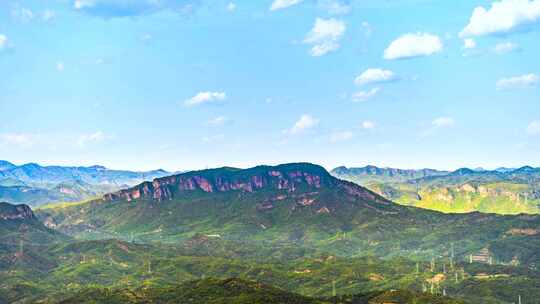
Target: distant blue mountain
[36, 185]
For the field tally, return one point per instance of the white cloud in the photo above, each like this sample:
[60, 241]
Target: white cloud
[205, 97]
[365, 95]
[231, 7]
[325, 36]
[469, 43]
[534, 127]
[281, 4]
[305, 122]
[3, 41]
[368, 125]
[504, 16]
[335, 7]
[442, 122]
[518, 82]
[16, 139]
[413, 45]
[375, 75]
[60, 66]
[341, 136]
[218, 121]
[96, 137]
[505, 47]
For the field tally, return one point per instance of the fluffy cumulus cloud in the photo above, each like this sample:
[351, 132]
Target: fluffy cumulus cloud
[375, 75]
[335, 7]
[325, 36]
[534, 127]
[413, 45]
[365, 95]
[503, 17]
[443, 122]
[518, 82]
[505, 47]
[126, 8]
[305, 122]
[281, 4]
[341, 136]
[205, 97]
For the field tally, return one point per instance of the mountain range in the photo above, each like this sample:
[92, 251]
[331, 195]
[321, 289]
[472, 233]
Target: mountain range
[292, 226]
[38, 185]
[503, 191]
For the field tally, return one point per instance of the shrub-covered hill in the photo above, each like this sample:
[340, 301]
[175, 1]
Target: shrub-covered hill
[236, 291]
[502, 191]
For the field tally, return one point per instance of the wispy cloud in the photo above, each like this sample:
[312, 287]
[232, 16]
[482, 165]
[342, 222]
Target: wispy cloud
[60, 66]
[368, 125]
[281, 4]
[413, 45]
[335, 7]
[505, 47]
[375, 75]
[231, 7]
[213, 138]
[365, 95]
[86, 139]
[304, 123]
[325, 36]
[443, 122]
[205, 97]
[218, 121]
[518, 82]
[128, 8]
[3, 42]
[341, 136]
[21, 140]
[469, 43]
[437, 124]
[534, 128]
[503, 17]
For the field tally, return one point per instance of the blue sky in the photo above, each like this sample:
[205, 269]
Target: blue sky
[186, 84]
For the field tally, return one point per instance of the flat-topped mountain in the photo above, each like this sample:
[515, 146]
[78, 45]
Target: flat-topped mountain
[297, 177]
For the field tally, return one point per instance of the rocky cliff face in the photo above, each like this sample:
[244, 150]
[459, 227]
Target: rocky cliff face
[285, 177]
[15, 212]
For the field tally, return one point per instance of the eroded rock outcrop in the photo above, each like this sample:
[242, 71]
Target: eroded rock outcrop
[15, 212]
[286, 177]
